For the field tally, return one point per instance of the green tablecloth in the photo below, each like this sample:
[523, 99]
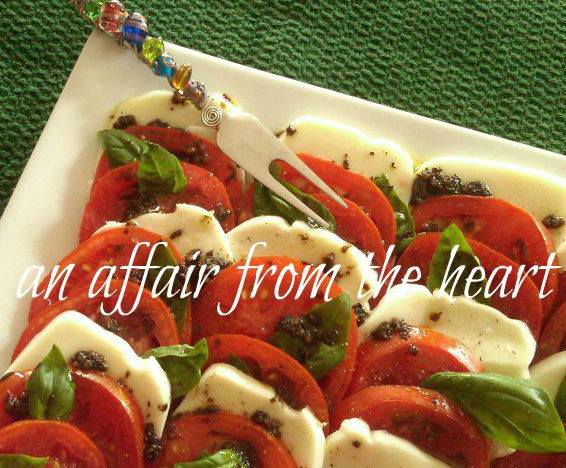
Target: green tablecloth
[496, 66]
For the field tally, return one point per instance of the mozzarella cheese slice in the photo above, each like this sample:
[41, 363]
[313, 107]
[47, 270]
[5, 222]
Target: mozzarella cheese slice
[505, 346]
[535, 191]
[355, 445]
[306, 244]
[189, 227]
[549, 373]
[72, 332]
[236, 392]
[352, 149]
[158, 105]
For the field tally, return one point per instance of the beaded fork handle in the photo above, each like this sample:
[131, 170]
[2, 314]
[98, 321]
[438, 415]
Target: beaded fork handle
[241, 136]
[131, 31]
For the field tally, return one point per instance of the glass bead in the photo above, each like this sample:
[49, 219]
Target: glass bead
[164, 65]
[112, 17]
[182, 77]
[135, 30]
[91, 10]
[153, 47]
[196, 93]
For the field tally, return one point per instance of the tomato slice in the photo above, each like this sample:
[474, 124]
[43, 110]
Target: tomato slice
[498, 224]
[189, 148]
[274, 367]
[103, 409]
[530, 460]
[526, 306]
[109, 247]
[355, 227]
[408, 360]
[553, 337]
[190, 435]
[114, 191]
[352, 224]
[64, 444]
[149, 326]
[354, 187]
[258, 317]
[426, 418]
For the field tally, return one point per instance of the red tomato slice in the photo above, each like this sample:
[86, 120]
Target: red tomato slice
[191, 435]
[273, 367]
[64, 444]
[553, 337]
[530, 460]
[258, 317]
[354, 187]
[109, 247]
[149, 326]
[355, 227]
[410, 360]
[190, 148]
[113, 191]
[425, 417]
[11, 387]
[352, 224]
[498, 224]
[526, 306]
[104, 410]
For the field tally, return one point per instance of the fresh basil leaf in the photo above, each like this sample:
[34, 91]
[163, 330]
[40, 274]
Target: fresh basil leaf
[51, 391]
[560, 400]
[267, 203]
[182, 364]
[226, 458]
[178, 306]
[21, 461]
[439, 265]
[239, 364]
[121, 147]
[403, 216]
[160, 172]
[516, 412]
[320, 355]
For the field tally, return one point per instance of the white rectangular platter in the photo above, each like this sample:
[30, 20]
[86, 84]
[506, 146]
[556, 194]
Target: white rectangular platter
[40, 225]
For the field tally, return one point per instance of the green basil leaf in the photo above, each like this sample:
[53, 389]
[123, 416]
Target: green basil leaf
[403, 216]
[182, 364]
[226, 458]
[516, 412]
[439, 265]
[121, 147]
[268, 203]
[239, 364]
[334, 318]
[21, 461]
[160, 172]
[178, 306]
[560, 400]
[51, 391]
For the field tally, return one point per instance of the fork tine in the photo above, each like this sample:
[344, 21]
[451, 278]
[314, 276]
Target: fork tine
[273, 184]
[297, 164]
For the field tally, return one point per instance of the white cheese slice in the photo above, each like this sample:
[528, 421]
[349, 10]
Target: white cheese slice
[354, 445]
[549, 373]
[350, 148]
[158, 105]
[72, 332]
[194, 227]
[236, 392]
[311, 245]
[535, 191]
[505, 346]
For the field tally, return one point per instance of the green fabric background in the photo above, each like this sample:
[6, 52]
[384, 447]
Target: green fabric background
[498, 67]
